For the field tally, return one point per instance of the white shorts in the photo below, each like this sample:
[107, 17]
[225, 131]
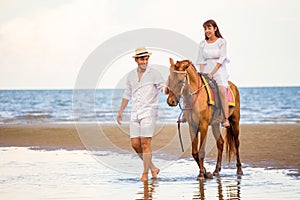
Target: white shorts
[142, 127]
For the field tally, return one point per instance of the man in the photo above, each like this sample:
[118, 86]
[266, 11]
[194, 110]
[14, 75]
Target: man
[142, 87]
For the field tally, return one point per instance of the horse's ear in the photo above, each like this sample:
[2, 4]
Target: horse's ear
[171, 61]
[166, 90]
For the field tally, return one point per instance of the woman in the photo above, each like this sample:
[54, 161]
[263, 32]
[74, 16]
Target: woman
[212, 59]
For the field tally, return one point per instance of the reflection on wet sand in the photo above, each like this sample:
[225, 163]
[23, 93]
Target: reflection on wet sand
[200, 194]
[148, 191]
[231, 192]
[234, 190]
[24, 174]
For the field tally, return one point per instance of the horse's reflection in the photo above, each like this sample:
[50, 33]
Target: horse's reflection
[227, 188]
[232, 190]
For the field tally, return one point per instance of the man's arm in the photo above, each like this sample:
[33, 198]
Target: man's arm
[122, 108]
[161, 84]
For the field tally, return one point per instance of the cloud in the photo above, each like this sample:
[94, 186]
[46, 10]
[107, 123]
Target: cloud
[51, 43]
[45, 45]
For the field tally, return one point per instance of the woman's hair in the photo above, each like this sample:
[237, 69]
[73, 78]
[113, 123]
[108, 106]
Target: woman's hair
[213, 24]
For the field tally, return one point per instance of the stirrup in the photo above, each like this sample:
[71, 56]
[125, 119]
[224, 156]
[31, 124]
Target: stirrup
[182, 120]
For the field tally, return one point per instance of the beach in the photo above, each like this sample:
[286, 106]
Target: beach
[95, 161]
[261, 145]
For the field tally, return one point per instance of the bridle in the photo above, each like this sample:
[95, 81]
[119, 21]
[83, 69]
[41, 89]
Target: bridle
[186, 80]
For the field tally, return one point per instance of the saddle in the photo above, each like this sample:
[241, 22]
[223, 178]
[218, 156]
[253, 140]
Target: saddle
[211, 87]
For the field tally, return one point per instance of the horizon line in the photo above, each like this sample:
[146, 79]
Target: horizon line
[119, 88]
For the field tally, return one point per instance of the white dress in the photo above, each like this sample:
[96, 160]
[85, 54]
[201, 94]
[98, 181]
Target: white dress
[212, 53]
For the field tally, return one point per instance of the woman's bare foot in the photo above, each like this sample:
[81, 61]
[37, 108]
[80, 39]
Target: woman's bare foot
[226, 124]
[144, 177]
[155, 173]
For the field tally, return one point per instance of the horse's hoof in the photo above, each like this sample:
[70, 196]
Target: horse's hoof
[239, 172]
[208, 175]
[200, 176]
[216, 173]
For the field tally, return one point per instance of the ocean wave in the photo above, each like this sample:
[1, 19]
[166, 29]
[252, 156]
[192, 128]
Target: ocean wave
[258, 105]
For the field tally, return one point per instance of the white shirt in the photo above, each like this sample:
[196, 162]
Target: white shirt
[212, 53]
[144, 92]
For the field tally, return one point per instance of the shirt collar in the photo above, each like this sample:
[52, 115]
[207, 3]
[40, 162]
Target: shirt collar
[147, 69]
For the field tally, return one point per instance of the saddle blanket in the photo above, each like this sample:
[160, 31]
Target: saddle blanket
[211, 94]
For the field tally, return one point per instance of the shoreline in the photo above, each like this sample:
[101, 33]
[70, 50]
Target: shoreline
[270, 146]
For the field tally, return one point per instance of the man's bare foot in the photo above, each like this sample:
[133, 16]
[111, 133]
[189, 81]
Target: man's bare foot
[155, 173]
[144, 177]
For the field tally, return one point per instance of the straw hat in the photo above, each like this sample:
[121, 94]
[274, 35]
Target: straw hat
[140, 52]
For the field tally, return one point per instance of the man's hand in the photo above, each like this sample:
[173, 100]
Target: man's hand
[120, 114]
[119, 118]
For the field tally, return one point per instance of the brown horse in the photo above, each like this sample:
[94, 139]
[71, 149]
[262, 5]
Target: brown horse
[185, 82]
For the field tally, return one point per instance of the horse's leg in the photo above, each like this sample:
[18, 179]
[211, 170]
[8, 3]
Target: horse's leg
[220, 143]
[236, 131]
[203, 132]
[198, 153]
[195, 151]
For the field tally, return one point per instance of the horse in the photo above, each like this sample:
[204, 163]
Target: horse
[185, 82]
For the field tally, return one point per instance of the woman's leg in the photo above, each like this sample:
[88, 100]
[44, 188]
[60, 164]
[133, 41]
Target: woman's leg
[224, 101]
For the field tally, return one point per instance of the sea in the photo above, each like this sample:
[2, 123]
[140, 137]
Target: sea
[30, 173]
[259, 105]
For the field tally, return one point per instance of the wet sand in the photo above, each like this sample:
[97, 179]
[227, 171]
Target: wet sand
[262, 145]
[62, 174]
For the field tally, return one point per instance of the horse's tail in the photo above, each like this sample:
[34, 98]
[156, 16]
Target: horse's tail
[232, 133]
[230, 143]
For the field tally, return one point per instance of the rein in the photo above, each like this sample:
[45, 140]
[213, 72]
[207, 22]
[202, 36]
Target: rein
[190, 107]
[196, 92]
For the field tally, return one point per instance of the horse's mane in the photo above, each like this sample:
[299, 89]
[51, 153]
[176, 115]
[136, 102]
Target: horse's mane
[190, 64]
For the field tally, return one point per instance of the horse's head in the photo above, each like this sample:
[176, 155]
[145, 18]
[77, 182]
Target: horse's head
[177, 81]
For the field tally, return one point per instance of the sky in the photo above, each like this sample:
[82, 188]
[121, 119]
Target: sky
[43, 44]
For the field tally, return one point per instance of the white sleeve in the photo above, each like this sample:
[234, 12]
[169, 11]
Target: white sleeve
[128, 90]
[223, 52]
[201, 59]
[160, 82]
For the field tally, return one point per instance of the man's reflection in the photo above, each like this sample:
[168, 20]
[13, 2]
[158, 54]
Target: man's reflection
[148, 191]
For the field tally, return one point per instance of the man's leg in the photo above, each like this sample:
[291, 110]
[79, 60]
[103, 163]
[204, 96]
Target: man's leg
[141, 133]
[139, 144]
[135, 129]
[147, 156]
